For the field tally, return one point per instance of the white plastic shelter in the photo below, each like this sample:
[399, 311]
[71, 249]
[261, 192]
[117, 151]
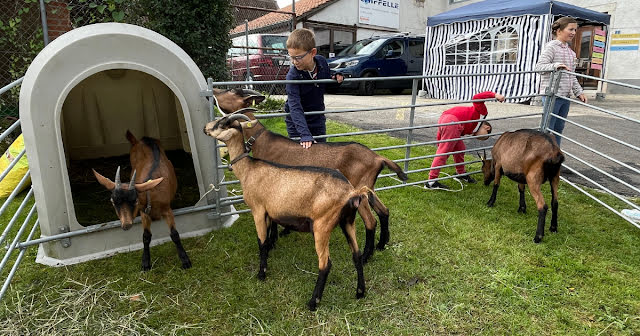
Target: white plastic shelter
[78, 98]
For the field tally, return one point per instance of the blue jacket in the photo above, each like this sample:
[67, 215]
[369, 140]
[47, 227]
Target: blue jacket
[306, 98]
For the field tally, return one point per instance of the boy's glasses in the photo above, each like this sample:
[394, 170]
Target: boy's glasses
[299, 57]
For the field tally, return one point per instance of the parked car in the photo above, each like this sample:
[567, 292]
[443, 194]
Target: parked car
[380, 56]
[269, 63]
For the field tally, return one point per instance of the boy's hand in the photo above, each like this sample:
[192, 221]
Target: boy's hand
[338, 77]
[500, 97]
[306, 144]
[583, 98]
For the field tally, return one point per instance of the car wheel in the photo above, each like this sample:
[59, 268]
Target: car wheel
[368, 87]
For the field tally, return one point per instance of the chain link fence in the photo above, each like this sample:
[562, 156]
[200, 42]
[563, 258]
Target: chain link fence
[258, 51]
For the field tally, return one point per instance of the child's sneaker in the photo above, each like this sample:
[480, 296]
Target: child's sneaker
[466, 178]
[435, 185]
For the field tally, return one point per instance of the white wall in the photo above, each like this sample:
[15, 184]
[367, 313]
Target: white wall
[413, 17]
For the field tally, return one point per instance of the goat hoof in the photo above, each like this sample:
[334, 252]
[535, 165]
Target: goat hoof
[490, 204]
[380, 247]
[312, 304]
[262, 275]
[146, 267]
[186, 265]
[553, 229]
[360, 293]
[522, 210]
[365, 257]
[537, 239]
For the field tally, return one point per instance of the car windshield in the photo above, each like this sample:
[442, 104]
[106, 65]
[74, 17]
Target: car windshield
[274, 41]
[363, 47]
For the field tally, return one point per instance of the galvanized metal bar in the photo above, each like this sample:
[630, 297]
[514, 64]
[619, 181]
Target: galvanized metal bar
[17, 238]
[599, 153]
[598, 133]
[15, 191]
[424, 181]
[395, 107]
[421, 170]
[552, 102]
[16, 215]
[604, 110]
[12, 164]
[377, 149]
[631, 86]
[326, 81]
[586, 163]
[442, 154]
[601, 202]
[546, 103]
[216, 173]
[10, 129]
[602, 187]
[106, 226]
[45, 26]
[246, 41]
[414, 94]
[12, 273]
[11, 85]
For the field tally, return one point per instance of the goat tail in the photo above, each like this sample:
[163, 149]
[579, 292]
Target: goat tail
[552, 165]
[394, 166]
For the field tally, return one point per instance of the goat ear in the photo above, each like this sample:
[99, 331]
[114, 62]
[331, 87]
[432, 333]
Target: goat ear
[142, 187]
[253, 100]
[107, 183]
[132, 139]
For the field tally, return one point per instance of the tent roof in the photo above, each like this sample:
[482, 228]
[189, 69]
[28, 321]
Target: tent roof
[500, 8]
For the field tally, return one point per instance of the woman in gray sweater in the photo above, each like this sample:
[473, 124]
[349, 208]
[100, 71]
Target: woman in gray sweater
[558, 55]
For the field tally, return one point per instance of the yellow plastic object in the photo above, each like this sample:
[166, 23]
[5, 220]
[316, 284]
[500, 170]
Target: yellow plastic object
[10, 182]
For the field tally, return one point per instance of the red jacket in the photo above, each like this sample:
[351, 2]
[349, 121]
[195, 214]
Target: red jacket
[464, 113]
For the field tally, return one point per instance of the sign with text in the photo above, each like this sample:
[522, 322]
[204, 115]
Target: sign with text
[597, 54]
[624, 42]
[383, 13]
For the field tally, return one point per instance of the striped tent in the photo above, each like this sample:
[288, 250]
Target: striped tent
[492, 36]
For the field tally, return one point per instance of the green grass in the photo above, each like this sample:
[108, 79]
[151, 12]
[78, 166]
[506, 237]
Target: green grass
[453, 266]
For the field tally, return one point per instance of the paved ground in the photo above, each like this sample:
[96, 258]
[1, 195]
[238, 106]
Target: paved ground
[628, 105]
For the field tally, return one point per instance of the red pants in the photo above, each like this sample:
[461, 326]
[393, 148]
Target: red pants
[444, 133]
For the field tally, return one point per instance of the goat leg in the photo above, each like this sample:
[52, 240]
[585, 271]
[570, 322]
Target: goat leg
[523, 206]
[492, 200]
[182, 254]
[542, 214]
[146, 256]
[319, 289]
[264, 254]
[554, 203]
[370, 226]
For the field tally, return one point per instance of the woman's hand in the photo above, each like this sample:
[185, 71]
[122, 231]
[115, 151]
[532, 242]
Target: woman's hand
[500, 97]
[562, 67]
[306, 144]
[583, 98]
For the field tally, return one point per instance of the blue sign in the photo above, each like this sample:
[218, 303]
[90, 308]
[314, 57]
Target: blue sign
[617, 48]
[598, 44]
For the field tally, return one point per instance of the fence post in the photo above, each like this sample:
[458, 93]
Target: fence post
[414, 94]
[246, 44]
[216, 172]
[43, 17]
[550, 99]
[293, 16]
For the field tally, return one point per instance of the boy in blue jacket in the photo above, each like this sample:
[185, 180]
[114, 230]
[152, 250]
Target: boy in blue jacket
[306, 64]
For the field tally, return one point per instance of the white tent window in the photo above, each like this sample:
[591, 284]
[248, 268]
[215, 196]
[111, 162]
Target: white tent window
[499, 46]
[505, 46]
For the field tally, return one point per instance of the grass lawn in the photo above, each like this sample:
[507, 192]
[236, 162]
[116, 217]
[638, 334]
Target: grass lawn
[453, 266]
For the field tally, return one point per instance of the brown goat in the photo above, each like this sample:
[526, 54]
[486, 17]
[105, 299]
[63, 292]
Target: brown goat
[527, 157]
[310, 199]
[145, 194]
[359, 164]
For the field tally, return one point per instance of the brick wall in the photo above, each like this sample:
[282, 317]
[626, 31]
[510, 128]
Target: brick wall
[58, 19]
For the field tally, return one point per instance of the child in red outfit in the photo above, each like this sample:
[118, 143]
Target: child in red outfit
[457, 114]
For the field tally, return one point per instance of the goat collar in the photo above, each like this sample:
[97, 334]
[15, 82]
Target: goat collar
[238, 158]
[252, 140]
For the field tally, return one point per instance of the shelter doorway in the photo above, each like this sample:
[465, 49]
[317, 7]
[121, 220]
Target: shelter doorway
[96, 115]
[585, 45]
